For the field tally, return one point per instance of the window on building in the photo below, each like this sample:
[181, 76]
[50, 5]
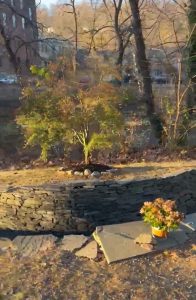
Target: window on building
[157, 72]
[30, 13]
[21, 4]
[23, 23]
[4, 19]
[14, 21]
[12, 2]
[1, 61]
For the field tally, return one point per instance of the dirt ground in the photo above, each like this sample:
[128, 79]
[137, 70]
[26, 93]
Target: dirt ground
[132, 171]
[60, 275]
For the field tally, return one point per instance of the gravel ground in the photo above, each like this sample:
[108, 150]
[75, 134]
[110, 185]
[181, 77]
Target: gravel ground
[60, 275]
[132, 171]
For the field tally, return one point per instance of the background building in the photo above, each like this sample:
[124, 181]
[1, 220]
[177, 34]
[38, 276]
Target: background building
[19, 23]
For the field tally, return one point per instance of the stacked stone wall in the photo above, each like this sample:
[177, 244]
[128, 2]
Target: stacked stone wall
[80, 206]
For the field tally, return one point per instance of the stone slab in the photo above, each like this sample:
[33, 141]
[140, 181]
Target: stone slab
[73, 242]
[189, 223]
[118, 241]
[32, 245]
[89, 251]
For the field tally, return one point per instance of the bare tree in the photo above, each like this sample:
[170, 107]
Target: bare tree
[143, 66]
[122, 27]
[73, 10]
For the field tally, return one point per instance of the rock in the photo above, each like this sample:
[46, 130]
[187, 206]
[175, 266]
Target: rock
[30, 202]
[87, 172]
[51, 164]
[32, 245]
[61, 169]
[76, 173]
[144, 238]
[81, 224]
[13, 168]
[27, 167]
[96, 174]
[112, 171]
[104, 173]
[6, 244]
[89, 251]
[69, 172]
[73, 242]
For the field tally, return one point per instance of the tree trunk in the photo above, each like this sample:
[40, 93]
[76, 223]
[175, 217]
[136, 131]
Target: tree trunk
[192, 55]
[118, 33]
[76, 36]
[86, 155]
[144, 70]
[120, 57]
[7, 43]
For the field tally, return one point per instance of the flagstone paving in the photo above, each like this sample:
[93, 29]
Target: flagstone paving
[89, 251]
[73, 242]
[57, 274]
[118, 241]
[190, 222]
[32, 245]
[39, 270]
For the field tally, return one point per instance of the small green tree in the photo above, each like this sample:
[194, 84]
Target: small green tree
[39, 115]
[58, 108]
[94, 120]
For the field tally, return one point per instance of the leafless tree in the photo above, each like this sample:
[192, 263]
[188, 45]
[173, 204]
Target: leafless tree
[122, 27]
[71, 9]
[143, 66]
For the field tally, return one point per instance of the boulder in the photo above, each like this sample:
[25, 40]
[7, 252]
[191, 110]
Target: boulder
[76, 173]
[69, 172]
[96, 174]
[61, 169]
[87, 172]
[27, 167]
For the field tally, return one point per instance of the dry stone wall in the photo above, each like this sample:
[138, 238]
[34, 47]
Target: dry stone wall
[80, 206]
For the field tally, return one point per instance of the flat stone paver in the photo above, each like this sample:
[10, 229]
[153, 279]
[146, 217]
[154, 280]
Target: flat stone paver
[118, 241]
[32, 245]
[89, 251]
[73, 242]
[189, 223]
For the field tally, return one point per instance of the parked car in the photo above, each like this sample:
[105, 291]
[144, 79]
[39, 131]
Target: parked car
[8, 79]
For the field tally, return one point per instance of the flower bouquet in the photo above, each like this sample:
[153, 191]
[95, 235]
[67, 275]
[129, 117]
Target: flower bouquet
[162, 215]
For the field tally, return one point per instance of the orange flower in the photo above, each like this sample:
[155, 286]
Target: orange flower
[161, 213]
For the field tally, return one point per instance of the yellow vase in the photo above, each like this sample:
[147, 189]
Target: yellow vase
[159, 232]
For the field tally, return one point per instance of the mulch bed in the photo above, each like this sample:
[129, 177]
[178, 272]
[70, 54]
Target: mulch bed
[92, 167]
